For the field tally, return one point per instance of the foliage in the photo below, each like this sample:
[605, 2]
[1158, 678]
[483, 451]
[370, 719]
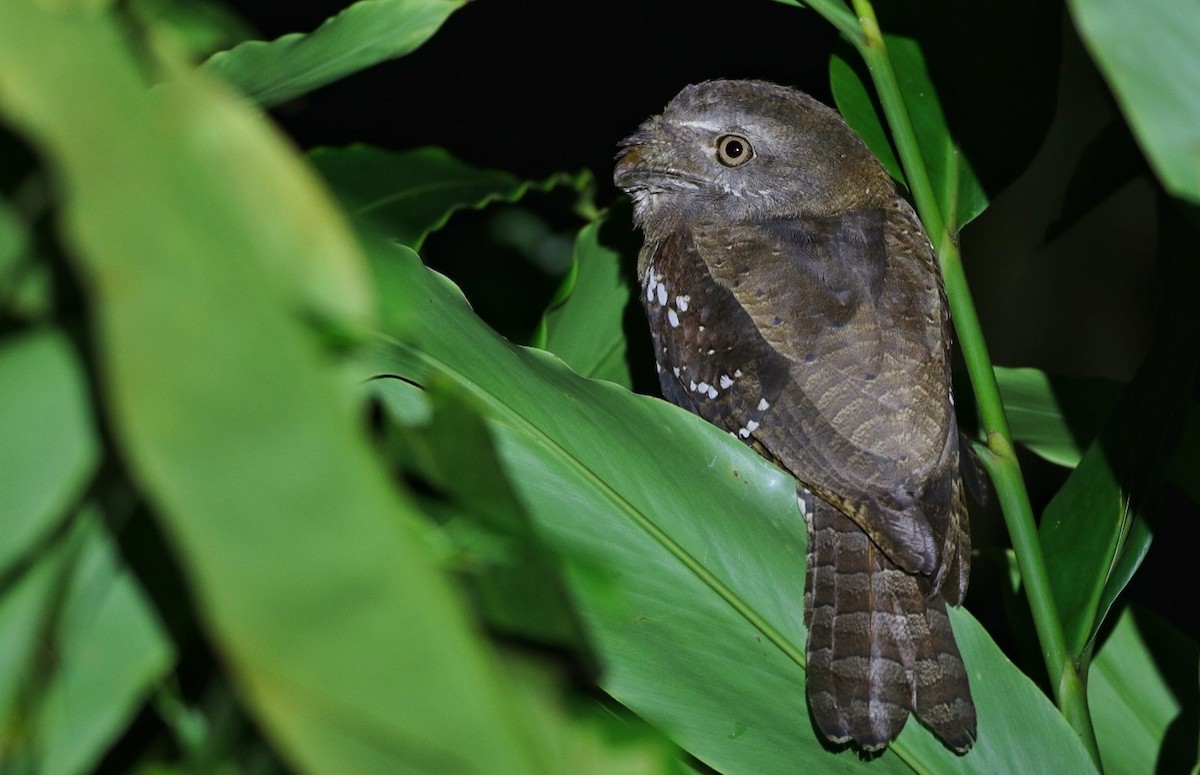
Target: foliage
[275, 497]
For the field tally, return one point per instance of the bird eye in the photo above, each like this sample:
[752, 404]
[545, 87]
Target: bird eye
[734, 150]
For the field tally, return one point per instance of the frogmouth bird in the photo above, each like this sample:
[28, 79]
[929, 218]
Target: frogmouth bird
[794, 301]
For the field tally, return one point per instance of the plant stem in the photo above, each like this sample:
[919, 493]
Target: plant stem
[999, 456]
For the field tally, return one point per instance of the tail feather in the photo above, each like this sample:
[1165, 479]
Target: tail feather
[879, 644]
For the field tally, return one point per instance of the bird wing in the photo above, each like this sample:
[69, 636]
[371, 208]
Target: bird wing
[853, 364]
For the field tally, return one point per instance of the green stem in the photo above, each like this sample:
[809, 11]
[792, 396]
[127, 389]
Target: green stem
[999, 456]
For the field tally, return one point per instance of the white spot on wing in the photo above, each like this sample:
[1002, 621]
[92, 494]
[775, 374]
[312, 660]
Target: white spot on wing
[726, 382]
[752, 426]
[662, 294]
[702, 387]
[737, 373]
[744, 433]
[676, 370]
[672, 318]
[763, 405]
[682, 301]
[712, 392]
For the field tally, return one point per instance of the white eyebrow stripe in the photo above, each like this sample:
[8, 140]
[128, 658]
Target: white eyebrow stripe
[700, 125]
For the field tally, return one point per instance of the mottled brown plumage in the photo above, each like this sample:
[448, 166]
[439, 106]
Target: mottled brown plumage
[794, 301]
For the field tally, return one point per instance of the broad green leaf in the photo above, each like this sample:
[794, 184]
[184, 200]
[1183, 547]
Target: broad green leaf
[1148, 54]
[406, 195]
[685, 554]
[313, 578]
[365, 34]
[1139, 684]
[110, 651]
[48, 448]
[81, 649]
[1056, 416]
[583, 323]
[959, 193]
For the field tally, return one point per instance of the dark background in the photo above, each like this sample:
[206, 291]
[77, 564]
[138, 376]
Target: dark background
[538, 87]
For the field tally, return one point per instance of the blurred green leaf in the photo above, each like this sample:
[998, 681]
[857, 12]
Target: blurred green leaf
[514, 579]
[685, 553]
[959, 194]
[25, 283]
[312, 576]
[82, 649]
[583, 322]
[14, 241]
[26, 604]
[1148, 54]
[591, 739]
[406, 195]
[204, 26]
[1143, 690]
[48, 448]
[1056, 416]
[365, 34]
[110, 650]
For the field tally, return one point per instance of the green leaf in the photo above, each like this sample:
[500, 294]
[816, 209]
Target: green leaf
[583, 324]
[1142, 690]
[958, 191]
[82, 648]
[406, 195]
[110, 650]
[365, 34]
[14, 241]
[314, 579]
[514, 580]
[1056, 416]
[685, 553]
[856, 106]
[48, 448]
[204, 26]
[1147, 52]
[1094, 532]
[586, 737]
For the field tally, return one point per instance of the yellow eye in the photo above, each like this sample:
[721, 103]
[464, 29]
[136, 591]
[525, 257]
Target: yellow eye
[734, 150]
